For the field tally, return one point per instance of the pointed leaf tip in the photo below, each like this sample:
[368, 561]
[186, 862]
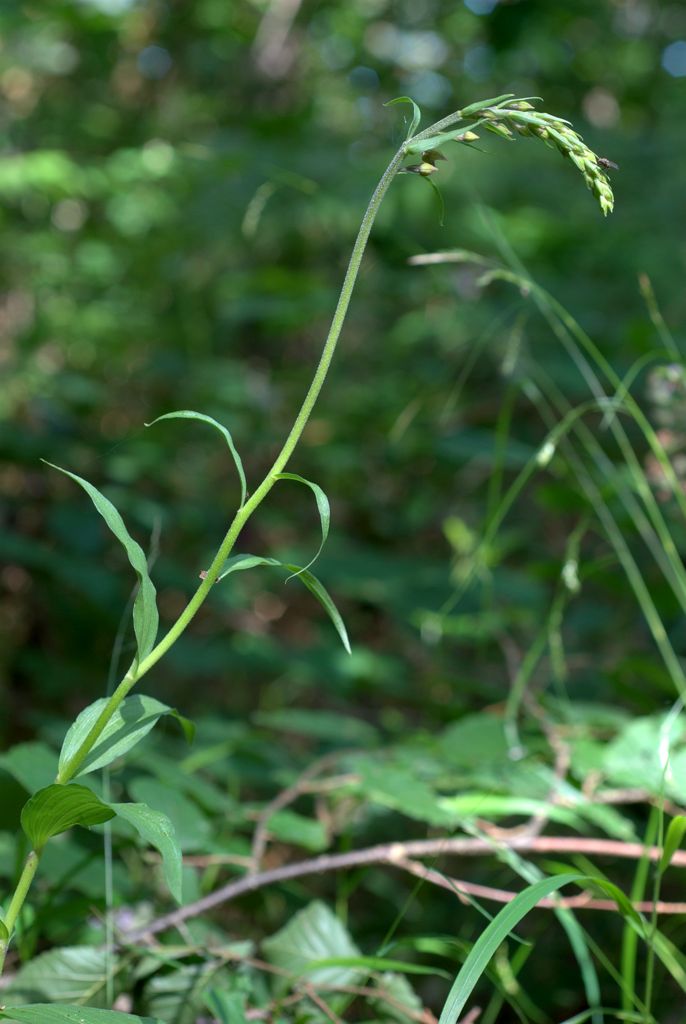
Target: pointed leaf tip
[145, 615]
[416, 113]
[189, 414]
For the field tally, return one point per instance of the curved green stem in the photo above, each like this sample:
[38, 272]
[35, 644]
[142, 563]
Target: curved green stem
[136, 672]
[17, 902]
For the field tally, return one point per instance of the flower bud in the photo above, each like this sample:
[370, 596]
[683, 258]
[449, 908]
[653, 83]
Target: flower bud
[500, 129]
[467, 137]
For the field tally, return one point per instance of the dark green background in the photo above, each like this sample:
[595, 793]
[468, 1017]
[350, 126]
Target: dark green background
[180, 187]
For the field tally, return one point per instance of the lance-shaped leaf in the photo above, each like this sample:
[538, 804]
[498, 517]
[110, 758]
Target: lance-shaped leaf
[4, 934]
[673, 840]
[133, 719]
[145, 617]
[57, 808]
[505, 922]
[188, 414]
[322, 507]
[239, 562]
[155, 828]
[416, 113]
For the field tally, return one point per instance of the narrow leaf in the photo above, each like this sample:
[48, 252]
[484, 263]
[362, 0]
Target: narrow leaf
[491, 938]
[57, 808]
[673, 840]
[145, 616]
[441, 204]
[133, 719]
[156, 829]
[474, 108]
[416, 113]
[4, 934]
[44, 1013]
[322, 507]
[239, 562]
[188, 414]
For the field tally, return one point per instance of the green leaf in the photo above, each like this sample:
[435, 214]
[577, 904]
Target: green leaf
[188, 414]
[439, 196]
[500, 927]
[416, 113]
[66, 975]
[673, 840]
[4, 934]
[57, 808]
[192, 827]
[226, 1007]
[322, 507]
[433, 142]
[33, 765]
[239, 562]
[43, 1013]
[145, 616]
[474, 108]
[288, 827]
[156, 829]
[133, 719]
[315, 933]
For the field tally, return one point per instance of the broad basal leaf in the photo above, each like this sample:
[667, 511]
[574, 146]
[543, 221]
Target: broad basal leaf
[65, 975]
[57, 808]
[315, 933]
[145, 616]
[156, 829]
[188, 414]
[132, 720]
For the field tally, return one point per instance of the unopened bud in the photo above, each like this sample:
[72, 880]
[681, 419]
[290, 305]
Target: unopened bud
[430, 156]
[545, 454]
[522, 105]
[500, 129]
[467, 137]
[425, 169]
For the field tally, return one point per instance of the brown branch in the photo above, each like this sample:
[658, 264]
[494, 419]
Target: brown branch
[393, 853]
[463, 889]
[287, 796]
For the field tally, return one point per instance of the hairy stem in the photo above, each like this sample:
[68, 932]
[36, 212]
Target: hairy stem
[17, 902]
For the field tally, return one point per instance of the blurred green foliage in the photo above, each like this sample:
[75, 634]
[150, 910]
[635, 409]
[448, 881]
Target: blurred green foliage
[180, 185]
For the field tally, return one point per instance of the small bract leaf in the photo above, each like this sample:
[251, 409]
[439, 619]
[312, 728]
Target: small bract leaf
[133, 719]
[474, 108]
[322, 507]
[239, 562]
[156, 829]
[145, 616]
[4, 934]
[673, 840]
[188, 414]
[57, 808]
[416, 113]
[46, 1013]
